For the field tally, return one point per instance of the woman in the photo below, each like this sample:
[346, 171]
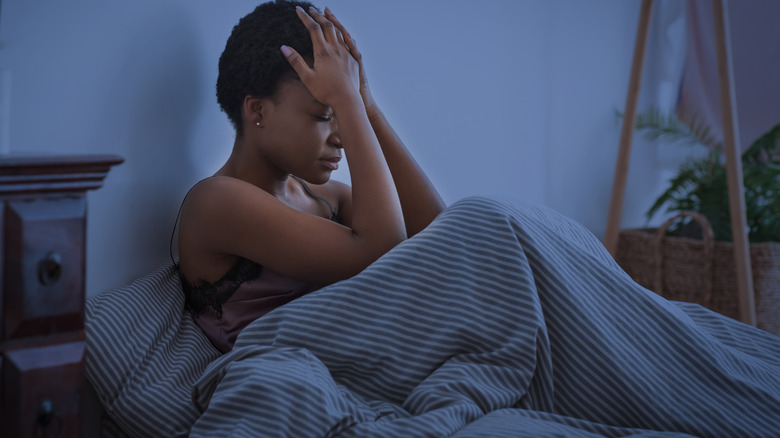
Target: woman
[271, 225]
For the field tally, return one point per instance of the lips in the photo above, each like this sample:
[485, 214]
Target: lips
[331, 162]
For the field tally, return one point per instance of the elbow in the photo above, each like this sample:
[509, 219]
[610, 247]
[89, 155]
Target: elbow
[389, 241]
[381, 245]
[415, 225]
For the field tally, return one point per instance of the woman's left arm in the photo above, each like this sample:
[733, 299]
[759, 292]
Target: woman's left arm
[420, 201]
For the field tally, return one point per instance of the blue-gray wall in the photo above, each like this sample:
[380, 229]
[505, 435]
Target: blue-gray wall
[508, 98]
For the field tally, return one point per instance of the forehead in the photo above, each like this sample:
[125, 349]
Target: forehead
[293, 92]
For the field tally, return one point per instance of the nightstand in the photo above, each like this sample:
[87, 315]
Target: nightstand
[43, 209]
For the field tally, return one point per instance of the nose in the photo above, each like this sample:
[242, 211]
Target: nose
[334, 139]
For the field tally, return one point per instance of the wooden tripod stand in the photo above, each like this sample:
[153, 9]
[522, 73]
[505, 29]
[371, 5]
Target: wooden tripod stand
[747, 309]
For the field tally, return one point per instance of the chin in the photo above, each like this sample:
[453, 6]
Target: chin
[322, 180]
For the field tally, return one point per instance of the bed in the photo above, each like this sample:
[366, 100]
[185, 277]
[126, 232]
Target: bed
[499, 319]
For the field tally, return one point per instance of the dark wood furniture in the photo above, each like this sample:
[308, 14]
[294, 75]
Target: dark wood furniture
[42, 274]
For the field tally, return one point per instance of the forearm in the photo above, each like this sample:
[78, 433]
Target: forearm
[420, 201]
[376, 209]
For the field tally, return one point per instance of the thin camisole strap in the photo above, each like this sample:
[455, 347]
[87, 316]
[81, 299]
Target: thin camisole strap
[306, 187]
[176, 222]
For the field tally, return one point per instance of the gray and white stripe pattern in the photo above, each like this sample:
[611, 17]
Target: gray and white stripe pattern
[143, 355]
[499, 319]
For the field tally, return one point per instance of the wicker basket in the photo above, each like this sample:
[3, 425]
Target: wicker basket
[702, 271]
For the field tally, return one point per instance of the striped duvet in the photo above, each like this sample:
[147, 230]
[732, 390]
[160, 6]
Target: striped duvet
[499, 319]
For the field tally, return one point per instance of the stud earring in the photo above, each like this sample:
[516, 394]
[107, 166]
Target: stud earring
[258, 123]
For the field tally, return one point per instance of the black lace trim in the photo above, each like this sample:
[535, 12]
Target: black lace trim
[204, 294]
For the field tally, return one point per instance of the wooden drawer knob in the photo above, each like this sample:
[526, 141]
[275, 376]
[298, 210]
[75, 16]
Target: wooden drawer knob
[50, 269]
[48, 421]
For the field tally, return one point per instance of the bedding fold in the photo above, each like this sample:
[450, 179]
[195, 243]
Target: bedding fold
[494, 307]
[499, 319]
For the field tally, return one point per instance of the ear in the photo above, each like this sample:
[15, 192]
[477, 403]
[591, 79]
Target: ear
[253, 111]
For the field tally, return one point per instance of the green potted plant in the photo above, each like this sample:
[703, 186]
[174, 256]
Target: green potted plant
[692, 259]
[700, 184]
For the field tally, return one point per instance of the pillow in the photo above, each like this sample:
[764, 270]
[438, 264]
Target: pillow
[143, 354]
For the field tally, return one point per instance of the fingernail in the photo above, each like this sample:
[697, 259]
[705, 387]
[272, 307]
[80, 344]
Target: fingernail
[286, 51]
[311, 9]
[299, 8]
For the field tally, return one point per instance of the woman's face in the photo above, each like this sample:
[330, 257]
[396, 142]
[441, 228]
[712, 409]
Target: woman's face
[299, 134]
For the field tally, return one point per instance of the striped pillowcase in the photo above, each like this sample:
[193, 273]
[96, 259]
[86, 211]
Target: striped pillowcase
[143, 354]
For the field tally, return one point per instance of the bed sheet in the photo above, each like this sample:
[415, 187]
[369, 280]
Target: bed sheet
[499, 319]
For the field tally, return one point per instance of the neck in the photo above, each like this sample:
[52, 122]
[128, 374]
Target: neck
[247, 164]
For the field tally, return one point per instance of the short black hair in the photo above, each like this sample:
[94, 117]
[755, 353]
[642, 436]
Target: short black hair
[252, 62]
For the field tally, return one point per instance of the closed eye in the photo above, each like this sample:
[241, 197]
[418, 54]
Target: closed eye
[326, 118]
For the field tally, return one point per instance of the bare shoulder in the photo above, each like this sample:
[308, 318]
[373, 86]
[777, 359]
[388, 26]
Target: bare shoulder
[220, 206]
[216, 184]
[208, 215]
[214, 195]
